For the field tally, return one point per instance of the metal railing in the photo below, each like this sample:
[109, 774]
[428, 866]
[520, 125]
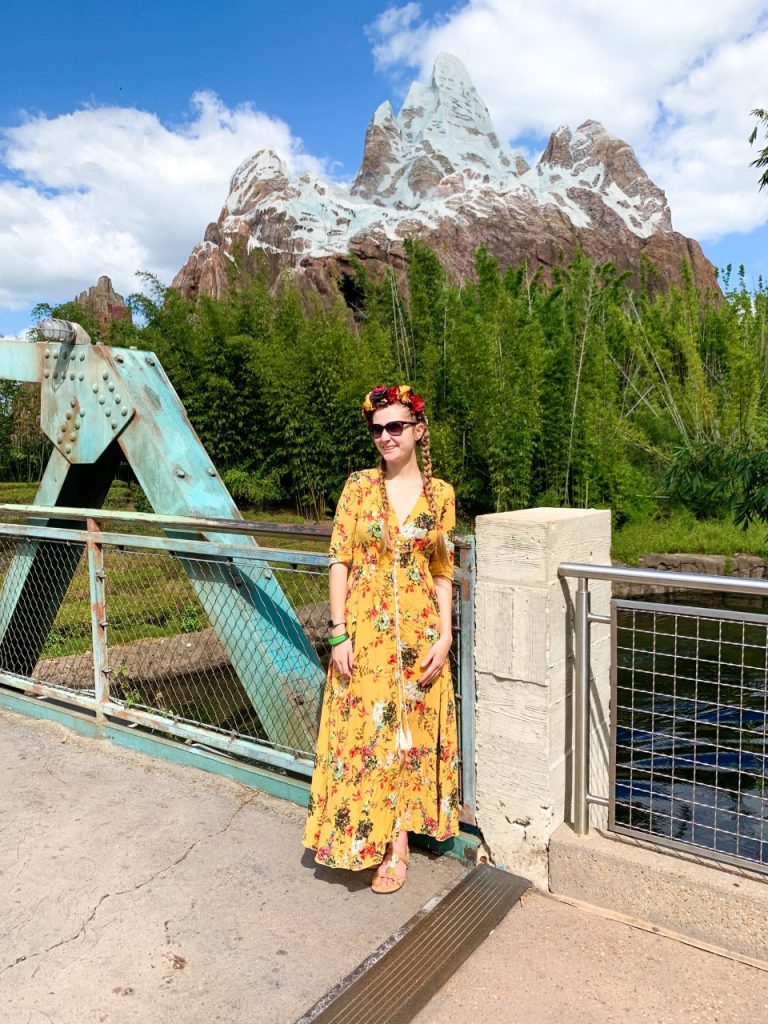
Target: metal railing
[687, 741]
[188, 627]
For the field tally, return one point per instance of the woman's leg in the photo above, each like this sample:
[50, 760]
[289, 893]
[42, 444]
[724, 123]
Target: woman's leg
[390, 867]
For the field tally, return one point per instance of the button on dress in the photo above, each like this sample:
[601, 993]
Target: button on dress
[387, 750]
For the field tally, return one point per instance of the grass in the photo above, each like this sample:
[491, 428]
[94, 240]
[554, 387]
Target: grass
[150, 596]
[121, 498]
[681, 531]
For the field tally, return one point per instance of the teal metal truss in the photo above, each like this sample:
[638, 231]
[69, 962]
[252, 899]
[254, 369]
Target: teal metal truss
[100, 405]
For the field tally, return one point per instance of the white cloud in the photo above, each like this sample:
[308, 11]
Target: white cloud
[112, 190]
[396, 19]
[676, 80]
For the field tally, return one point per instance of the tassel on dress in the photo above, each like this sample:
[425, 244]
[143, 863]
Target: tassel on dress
[404, 738]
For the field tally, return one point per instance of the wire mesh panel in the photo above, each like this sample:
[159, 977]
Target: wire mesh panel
[216, 643]
[203, 640]
[45, 612]
[690, 729]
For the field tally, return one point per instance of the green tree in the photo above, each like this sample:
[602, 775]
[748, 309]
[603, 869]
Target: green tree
[762, 158]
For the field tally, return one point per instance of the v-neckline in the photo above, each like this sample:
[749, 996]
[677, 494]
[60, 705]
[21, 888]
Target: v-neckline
[401, 525]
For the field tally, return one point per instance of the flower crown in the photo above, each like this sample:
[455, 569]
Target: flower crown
[382, 396]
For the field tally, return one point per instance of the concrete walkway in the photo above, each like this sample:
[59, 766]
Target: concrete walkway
[133, 890]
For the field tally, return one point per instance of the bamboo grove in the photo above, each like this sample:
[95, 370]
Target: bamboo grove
[574, 391]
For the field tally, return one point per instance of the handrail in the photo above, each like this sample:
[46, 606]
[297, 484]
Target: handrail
[197, 523]
[583, 621]
[664, 577]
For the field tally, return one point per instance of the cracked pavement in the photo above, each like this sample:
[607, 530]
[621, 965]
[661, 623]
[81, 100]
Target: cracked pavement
[132, 890]
[135, 890]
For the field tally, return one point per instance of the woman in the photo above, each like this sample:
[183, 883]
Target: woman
[387, 757]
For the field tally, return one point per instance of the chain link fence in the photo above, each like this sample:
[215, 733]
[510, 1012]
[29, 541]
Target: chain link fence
[218, 642]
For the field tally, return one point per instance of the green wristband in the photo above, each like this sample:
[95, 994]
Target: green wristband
[334, 641]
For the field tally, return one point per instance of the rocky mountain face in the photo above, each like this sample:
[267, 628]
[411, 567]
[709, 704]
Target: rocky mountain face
[439, 171]
[102, 302]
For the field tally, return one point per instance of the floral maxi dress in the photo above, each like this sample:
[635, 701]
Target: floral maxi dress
[364, 788]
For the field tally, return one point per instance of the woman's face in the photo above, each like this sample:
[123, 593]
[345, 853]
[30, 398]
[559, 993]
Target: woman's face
[396, 447]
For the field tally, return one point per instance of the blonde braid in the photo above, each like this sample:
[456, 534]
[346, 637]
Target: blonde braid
[441, 548]
[386, 540]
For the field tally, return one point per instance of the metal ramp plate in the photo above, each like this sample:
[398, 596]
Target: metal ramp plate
[401, 976]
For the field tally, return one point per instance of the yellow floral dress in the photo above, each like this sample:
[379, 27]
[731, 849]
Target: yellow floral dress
[366, 787]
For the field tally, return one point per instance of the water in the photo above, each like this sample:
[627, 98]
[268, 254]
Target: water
[692, 726]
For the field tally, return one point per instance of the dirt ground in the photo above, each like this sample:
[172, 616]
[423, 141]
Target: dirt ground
[133, 890]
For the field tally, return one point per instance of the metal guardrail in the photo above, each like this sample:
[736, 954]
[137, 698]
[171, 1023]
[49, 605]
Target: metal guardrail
[688, 745]
[146, 629]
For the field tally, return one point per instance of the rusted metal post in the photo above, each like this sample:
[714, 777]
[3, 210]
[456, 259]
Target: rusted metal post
[98, 593]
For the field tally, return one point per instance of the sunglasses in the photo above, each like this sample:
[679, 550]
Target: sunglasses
[394, 428]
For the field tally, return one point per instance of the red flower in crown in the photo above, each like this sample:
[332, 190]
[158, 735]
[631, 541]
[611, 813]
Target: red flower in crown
[382, 396]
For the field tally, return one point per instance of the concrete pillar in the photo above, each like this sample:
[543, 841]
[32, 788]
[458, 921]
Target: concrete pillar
[524, 665]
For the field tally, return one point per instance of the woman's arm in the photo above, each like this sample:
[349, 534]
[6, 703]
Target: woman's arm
[438, 653]
[341, 654]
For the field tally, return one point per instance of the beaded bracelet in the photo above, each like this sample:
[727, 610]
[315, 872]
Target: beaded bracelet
[334, 641]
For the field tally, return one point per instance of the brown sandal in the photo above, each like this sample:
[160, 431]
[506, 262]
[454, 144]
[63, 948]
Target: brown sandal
[389, 874]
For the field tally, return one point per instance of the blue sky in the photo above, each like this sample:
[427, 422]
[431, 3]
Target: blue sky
[121, 124]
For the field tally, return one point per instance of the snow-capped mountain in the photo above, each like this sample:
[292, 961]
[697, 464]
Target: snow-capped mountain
[439, 171]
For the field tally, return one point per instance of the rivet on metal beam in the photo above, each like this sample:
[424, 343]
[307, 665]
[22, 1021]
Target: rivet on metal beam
[81, 376]
[81, 413]
[101, 400]
[150, 362]
[76, 425]
[59, 439]
[47, 353]
[55, 373]
[71, 376]
[119, 358]
[111, 387]
[124, 411]
[180, 472]
[72, 357]
[211, 471]
[113, 425]
[94, 388]
[118, 399]
[104, 375]
[47, 373]
[69, 414]
[73, 401]
[108, 412]
[82, 356]
[68, 449]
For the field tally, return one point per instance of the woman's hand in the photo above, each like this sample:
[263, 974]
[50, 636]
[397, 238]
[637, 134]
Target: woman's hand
[435, 660]
[343, 658]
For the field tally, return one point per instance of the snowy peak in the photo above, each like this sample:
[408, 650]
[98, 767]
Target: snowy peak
[443, 128]
[438, 170]
[257, 177]
[592, 159]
